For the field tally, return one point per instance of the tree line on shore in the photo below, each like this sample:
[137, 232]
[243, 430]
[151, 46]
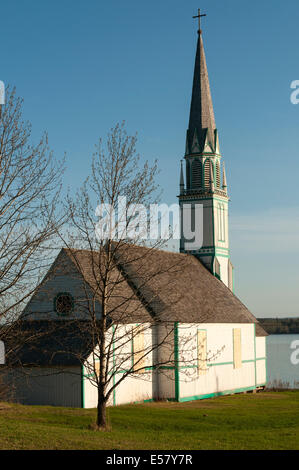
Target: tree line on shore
[280, 326]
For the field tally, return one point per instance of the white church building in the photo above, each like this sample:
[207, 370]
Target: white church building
[226, 351]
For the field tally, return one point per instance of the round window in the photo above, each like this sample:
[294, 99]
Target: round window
[63, 303]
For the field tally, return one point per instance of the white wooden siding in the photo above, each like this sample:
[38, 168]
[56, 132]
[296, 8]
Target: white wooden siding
[221, 375]
[63, 279]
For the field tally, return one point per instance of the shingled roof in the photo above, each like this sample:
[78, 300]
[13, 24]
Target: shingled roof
[180, 288]
[162, 286]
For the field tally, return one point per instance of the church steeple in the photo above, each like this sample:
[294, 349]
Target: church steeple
[203, 175]
[202, 152]
[202, 120]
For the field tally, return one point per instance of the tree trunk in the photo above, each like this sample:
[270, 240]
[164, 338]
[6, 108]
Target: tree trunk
[101, 413]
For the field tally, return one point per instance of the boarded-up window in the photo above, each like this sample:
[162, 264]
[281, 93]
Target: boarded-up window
[237, 348]
[201, 352]
[97, 368]
[138, 351]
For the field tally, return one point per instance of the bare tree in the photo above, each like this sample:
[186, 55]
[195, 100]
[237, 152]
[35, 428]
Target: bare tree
[120, 303]
[30, 183]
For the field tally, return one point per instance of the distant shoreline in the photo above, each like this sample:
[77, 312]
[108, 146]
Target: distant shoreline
[280, 326]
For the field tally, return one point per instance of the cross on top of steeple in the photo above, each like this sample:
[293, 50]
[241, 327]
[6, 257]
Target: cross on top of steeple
[199, 16]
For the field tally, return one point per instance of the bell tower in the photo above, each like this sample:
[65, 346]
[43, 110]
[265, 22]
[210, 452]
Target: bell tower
[204, 179]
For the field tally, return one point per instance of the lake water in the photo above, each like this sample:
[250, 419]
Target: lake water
[279, 365]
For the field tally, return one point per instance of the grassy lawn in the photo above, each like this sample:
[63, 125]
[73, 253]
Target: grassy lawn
[267, 420]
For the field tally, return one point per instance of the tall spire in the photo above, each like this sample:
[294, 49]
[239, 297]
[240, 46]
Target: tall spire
[201, 112]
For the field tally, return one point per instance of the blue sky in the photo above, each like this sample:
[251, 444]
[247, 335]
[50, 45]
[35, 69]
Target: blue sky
[83, 66]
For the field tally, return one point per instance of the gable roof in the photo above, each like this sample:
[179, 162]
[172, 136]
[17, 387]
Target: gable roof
[152, 284]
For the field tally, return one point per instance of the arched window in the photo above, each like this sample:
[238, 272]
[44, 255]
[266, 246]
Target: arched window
[196, 174]
[207, 173]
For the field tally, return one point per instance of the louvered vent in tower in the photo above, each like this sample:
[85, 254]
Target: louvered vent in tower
[207, 173]
[196, 174]
[218, 181]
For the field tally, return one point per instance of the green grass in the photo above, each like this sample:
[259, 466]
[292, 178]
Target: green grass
[267, 420]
